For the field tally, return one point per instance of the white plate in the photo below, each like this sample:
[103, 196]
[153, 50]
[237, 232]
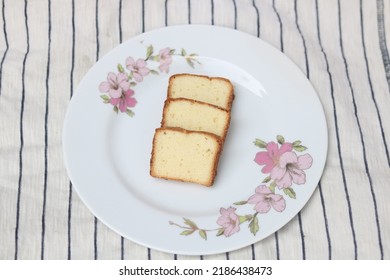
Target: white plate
[107, 154]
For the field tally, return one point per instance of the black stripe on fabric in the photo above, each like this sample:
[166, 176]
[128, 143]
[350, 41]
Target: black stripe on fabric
[120, 41]
[122, 248]
[166, 12]
[337, 132]
[382, 39]
[370, 83]
[319, 184]
[143, 15]
[280, 25]
[120, 21]
[97, 29]
[257, 17]
[71, 94]
[6, 45]
[282, 49]
[277, 245]
[373, 195]
[166, 24]
[95, 239]
[308, 76]
[326, 221]
[189, 11]
[21, 131]
[46, 134]
[73, 49]
[303, 40]
[70, 221]
[302, 236]
[95, 227]
[235, 14]
[212, 12]
[253, 252]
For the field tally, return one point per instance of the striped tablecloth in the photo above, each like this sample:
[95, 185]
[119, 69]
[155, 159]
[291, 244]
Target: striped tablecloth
[46, 47]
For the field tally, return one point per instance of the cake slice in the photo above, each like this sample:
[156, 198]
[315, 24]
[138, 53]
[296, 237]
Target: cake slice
[213, 90]
[184, 155]
[195, 115]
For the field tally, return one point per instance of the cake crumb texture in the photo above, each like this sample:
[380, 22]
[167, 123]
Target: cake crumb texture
[195, 115]
[183, 155]
[213, 90]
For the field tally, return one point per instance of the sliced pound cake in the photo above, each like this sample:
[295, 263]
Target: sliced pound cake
[213, 90]
[184, 155]
[195, 115]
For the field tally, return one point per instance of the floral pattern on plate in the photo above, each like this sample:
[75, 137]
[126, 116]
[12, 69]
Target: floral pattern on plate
[117, 89]
[285, 165]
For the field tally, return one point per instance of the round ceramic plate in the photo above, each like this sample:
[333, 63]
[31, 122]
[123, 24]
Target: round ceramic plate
[272, 159]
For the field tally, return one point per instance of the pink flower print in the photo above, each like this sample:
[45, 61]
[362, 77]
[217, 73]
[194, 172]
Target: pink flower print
[124, 101]
[137, 68]
[264, 199]
[271, 157]
[290, 168]
[165, 59]
[115, 85]
[229, 220]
